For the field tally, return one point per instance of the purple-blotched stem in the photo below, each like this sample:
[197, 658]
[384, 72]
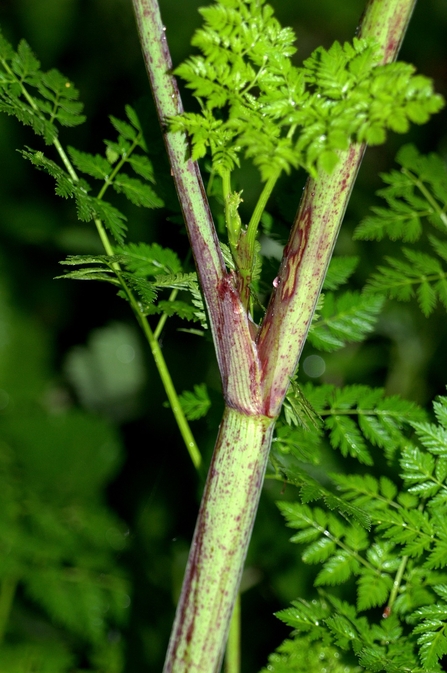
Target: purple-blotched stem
[255, 376]
[315, 230]
[235, 350]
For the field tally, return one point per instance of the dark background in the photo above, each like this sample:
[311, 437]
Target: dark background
[155, 491]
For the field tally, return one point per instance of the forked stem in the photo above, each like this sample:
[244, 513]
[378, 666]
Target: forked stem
[255, 377]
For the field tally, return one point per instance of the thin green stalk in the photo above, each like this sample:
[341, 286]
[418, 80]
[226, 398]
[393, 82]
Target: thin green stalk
[166, 379]
[163, 371]
[119, 166]
[152, 340]
[427, 194]
[7, 591]
[246, 245]
[399, 576]
[65, 160]
[253, 225]
[164, 317]
[105, 241]
[396, 584]
[226, 191]
[233, 652]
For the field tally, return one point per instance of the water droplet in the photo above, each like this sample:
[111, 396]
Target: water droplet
[277, 281]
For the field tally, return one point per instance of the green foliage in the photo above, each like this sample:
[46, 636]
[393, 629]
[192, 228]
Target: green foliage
[53, 99]
[387, 538]
[353, 418]
[415, 192]
[143, 260]
[398, 565]
[254, 100]
[68, 185]
[195, 403]
[347, 318]
[46, 100]
[59, 541]
[339, 271]
[304, 655]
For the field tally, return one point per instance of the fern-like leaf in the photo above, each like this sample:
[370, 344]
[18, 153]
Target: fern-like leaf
[37, 99]
[254, 100]
[195, 403]
[343, 319]
[145, 259]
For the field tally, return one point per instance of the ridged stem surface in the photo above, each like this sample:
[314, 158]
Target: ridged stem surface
[255, 376]
[220, 543]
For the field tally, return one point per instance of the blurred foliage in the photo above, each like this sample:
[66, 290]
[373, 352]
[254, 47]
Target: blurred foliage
[97, 485]
[62, 594]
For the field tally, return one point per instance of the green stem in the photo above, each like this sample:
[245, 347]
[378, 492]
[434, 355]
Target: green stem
[399, 576]
[233, 652]
[226, 191]
[164, 317]
[152, 340]
[105, 241]
[246, 244]
[7, 591]
[166, 379]
[252, 228]
[427, 194]
[119, 166]
[66, 161]
[397, 583]
[220, 544]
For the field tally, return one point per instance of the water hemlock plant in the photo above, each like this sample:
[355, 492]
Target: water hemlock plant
[256, 104]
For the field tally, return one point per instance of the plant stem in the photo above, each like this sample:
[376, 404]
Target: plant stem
[233, 652]
[226, 191]
[397, 582]
[161, 323]
[315, 231]
[221, 537]
[255, 376]
[427, 194]
[230, 327]
[252, 228]
[247, 240]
